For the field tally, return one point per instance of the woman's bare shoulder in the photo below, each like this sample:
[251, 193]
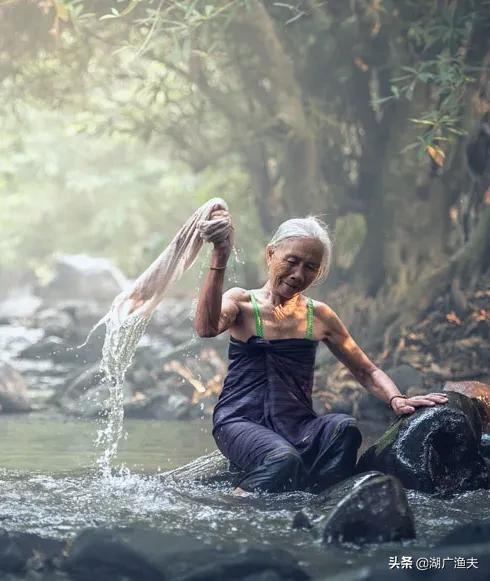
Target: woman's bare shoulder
[322, 310]
[237, 295]
[328, 318]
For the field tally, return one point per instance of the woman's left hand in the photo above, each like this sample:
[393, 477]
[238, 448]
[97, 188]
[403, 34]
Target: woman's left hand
[402, 406]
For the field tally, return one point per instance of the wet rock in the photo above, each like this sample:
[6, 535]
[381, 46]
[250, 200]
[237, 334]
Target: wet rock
[160, 406]
[330, 497]
[142, 554]
[55, 322]
[19, 551]
[114, 554]
[474, 389]
[301, 521]
[209, 468]
[173, 319]
[375, 510]
[59, 351]
[435, 449]
[12, 558]
[81, 277]
[13, 391]
[84, 393]
[46, 348]
[84, 314]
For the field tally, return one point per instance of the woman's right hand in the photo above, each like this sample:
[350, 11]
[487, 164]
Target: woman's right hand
[222, 244]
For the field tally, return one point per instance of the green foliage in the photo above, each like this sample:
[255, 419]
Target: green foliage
[163, 104]
[438, 39]
[65, 192]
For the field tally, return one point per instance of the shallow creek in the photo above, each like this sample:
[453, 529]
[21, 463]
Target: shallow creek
[50, 485]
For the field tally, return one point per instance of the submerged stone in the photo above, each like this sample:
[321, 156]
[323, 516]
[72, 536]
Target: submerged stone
[436, 449]
[375, 510]
[18, 551]
[143, 554]
[301, 521]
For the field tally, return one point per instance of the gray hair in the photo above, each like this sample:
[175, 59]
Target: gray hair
[309, 227]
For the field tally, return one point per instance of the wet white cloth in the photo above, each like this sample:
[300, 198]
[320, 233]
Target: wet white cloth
[131, 310]
[150, 287]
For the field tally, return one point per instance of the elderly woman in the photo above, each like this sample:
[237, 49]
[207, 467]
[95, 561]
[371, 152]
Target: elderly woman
[264, 422]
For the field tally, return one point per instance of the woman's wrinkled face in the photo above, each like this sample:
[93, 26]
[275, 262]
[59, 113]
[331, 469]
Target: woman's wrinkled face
[294, 264]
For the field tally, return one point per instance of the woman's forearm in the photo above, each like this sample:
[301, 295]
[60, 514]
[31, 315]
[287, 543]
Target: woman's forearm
[380, 385]
[208, 308]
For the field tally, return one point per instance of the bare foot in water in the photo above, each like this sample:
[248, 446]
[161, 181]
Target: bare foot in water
[240, 492]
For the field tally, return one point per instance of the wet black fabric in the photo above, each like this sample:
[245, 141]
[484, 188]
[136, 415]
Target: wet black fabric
[265, 425]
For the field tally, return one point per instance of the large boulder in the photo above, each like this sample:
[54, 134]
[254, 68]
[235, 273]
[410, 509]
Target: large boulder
[436, 449]
[83, 278]
[13, 391]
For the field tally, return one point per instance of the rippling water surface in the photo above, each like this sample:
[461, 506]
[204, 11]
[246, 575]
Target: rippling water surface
[50, 486]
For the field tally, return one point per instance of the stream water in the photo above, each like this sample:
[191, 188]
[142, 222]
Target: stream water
[51, 485]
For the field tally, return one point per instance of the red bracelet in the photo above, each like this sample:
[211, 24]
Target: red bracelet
[393, 397]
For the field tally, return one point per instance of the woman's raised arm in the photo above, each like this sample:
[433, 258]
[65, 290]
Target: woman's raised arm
[216, 312]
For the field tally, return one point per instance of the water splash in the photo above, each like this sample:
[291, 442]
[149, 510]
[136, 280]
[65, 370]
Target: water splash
[120, 344]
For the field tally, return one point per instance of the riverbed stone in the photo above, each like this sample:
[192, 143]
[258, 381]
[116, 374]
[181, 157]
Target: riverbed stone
[143, 554]
[13, 391]
[212, 467]
[375, 510]
[55, 322]
[20, 551]
[83, 277]
[436, 449]
[159, 406]
[301, 521]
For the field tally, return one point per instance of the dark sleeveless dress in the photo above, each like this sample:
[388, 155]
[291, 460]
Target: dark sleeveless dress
[264, 421]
